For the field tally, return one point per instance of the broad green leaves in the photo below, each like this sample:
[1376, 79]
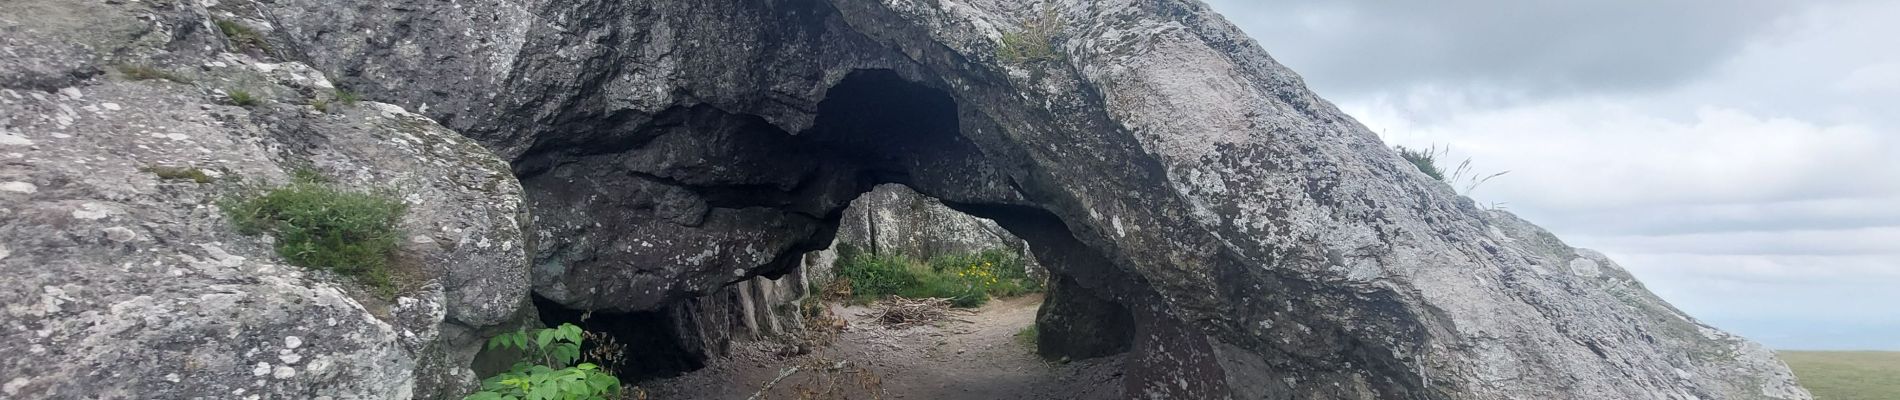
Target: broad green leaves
[548, 369]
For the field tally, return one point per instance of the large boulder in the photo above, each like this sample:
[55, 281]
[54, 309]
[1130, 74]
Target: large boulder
[119, 141]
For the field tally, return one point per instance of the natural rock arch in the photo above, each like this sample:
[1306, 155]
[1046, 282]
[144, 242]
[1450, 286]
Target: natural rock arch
[1263, 244]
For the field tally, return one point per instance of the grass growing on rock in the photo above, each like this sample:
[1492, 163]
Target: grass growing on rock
[319, 225]
[1426, 161]
[1035, 43]
[341, 97]
[242, 98]
[968, 280]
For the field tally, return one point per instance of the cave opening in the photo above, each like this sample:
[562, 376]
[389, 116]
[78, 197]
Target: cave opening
[880, 153]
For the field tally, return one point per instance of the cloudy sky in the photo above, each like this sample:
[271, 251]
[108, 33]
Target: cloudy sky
[1741, 157]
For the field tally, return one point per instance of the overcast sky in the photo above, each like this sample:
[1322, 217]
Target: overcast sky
[1741, 157]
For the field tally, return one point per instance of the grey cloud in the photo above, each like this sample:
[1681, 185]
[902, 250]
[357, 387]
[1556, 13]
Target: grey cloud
[1532, 48]
[1655, 220]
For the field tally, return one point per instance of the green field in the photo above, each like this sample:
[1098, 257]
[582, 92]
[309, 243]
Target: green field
[1847, 375]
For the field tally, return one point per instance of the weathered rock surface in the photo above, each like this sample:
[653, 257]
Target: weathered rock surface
[897, 220]
[1264, 244]
[123, 284]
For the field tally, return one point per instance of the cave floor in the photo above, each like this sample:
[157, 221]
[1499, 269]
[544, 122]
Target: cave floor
[968, 356]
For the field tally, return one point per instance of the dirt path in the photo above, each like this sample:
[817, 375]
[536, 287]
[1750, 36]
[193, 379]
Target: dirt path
[971, 356]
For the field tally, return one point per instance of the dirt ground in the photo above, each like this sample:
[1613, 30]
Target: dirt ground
[969, 356]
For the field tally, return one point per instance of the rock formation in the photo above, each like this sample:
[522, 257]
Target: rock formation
[123, 281]
[1261, 243]
[894, 219]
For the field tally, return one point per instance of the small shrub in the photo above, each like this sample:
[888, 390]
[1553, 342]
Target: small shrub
[191, 173]
[146, 73]
[241, 98]
[320, 226]
[242, 36]
[320, 104]
[549, 368]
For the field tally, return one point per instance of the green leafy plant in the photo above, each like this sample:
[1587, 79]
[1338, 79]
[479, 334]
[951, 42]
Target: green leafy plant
[241, 97]
[321, 226]
[241, 35]
[550, 368]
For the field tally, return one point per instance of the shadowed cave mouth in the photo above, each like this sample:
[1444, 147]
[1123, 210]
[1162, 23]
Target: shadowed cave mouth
[874, 127]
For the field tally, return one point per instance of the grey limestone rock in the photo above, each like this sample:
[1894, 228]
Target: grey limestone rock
[1263, 243]
[122, 283]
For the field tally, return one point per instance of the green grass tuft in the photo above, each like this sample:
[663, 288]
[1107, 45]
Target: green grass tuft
[1847, 375]
[341, 97]
[1426, 160]
[166, 172]
[321, 226]
[1035, 43]
[968, 280]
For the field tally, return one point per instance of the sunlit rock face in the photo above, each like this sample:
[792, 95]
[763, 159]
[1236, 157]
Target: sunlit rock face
[1257, 242]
